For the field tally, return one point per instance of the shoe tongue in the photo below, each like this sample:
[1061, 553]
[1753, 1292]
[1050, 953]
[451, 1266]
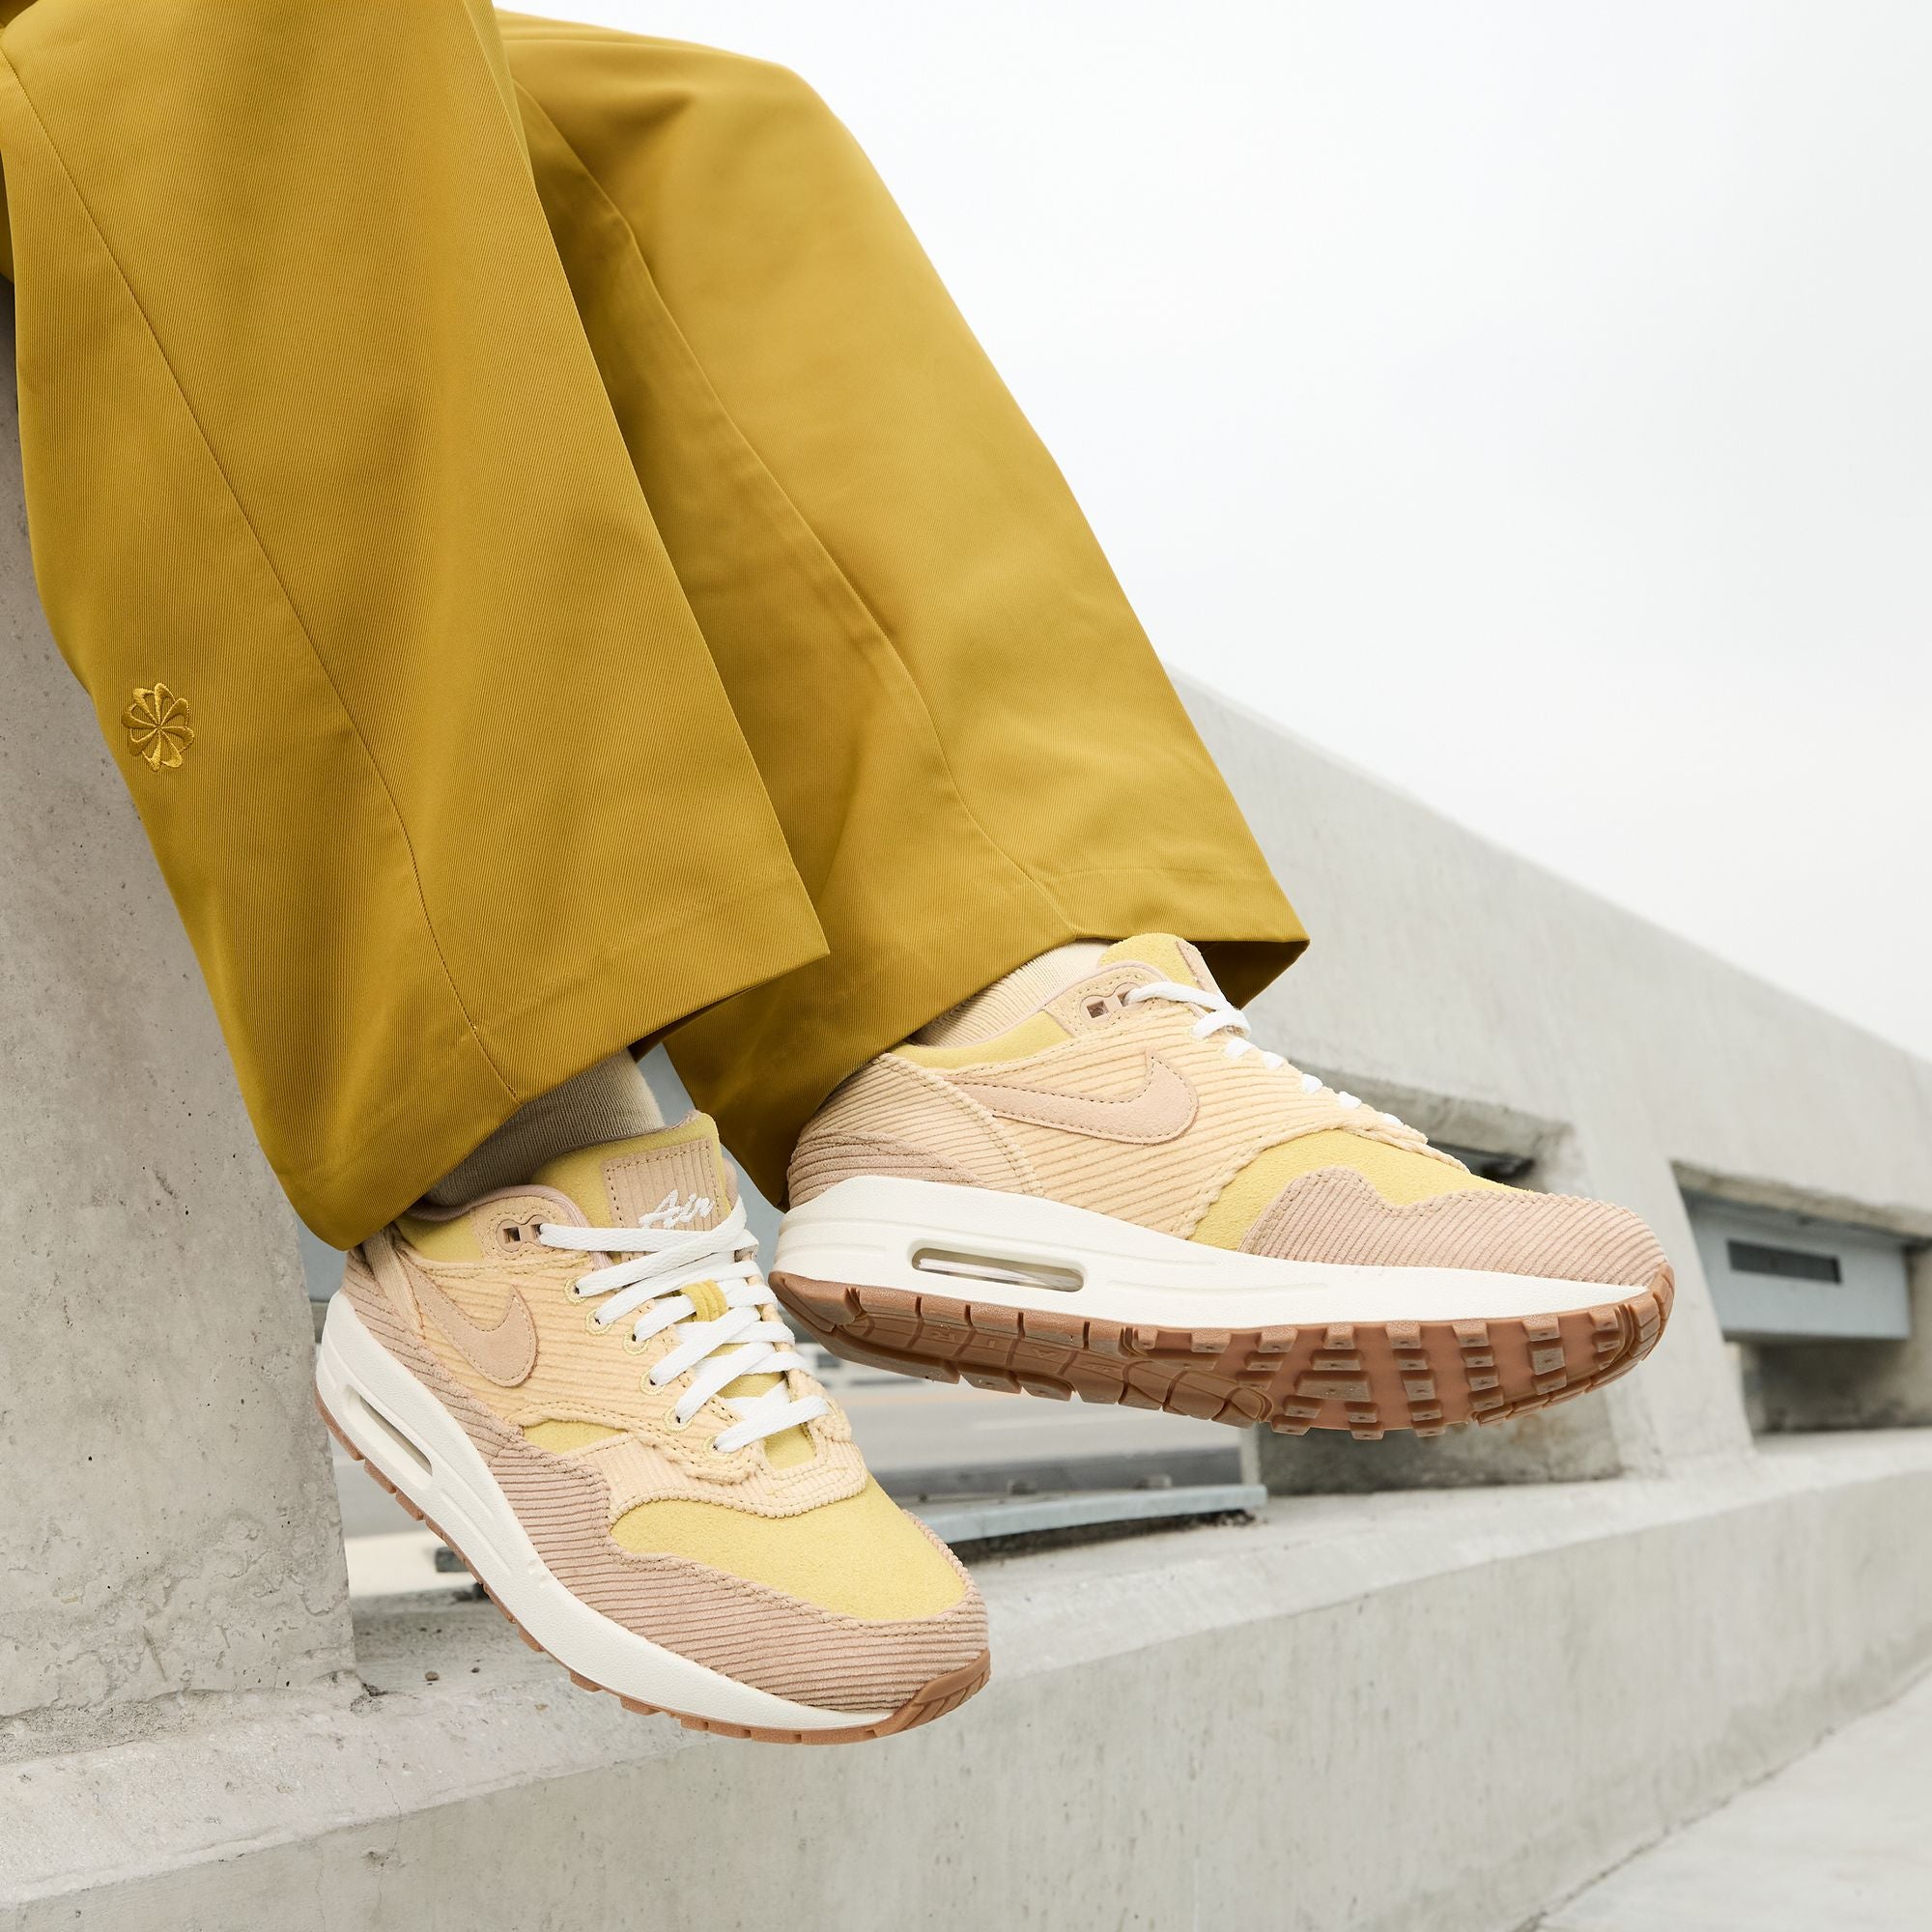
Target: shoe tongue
[1171, 957]
[677, 1176]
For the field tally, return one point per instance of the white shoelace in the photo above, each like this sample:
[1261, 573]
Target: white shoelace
[1217, 1015]
[743, 1341]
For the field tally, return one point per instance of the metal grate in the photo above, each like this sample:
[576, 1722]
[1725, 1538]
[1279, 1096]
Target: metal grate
[1786, 1263]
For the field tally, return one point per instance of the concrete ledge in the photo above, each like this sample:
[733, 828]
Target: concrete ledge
[1836, 1842]
[1376, 1713]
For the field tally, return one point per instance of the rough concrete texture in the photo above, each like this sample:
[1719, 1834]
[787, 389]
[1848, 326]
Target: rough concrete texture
[1838, 1840]
[1570, 1443]
[1377, 1714]
[167, 1522]
[1498, 1000]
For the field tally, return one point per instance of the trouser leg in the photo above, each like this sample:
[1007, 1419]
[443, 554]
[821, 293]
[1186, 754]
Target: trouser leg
[971, 745]
[320, 469]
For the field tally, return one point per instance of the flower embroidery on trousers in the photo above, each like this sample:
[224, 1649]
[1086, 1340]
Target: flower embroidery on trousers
[158, 727]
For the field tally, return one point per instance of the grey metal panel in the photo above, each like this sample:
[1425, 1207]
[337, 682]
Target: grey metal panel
[1769, 1274]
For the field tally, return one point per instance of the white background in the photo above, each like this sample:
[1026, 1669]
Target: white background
[1530, 402]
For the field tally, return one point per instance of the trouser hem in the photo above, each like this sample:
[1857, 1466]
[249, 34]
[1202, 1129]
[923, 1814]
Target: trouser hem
[655, 975]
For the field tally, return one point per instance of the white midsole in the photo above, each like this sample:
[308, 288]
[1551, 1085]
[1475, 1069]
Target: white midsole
[451, 1484]
[868, 1232]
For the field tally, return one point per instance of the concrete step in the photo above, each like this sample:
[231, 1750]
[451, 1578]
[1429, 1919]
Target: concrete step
[1842, 1839]
[1355, 1715]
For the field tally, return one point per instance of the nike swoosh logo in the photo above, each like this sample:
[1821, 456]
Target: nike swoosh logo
[1163, 1110]
[504, 1354]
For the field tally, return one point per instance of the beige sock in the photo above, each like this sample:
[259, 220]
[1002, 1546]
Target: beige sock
[605, 1103]
[1009, 999]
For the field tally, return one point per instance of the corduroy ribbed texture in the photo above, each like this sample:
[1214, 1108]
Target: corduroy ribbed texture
[824, 1160]
[1336, 1215]
[953, 1121]
[1011, 997]
[1167, 1184]
[585, 1373]
[745, 1630]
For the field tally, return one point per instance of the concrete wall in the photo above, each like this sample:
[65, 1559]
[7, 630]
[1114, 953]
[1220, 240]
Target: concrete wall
[1853, 1385]
[1489, 1002]
[167, 1522]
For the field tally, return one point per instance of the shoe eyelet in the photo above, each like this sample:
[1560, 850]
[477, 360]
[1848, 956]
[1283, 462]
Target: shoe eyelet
[591, 1323]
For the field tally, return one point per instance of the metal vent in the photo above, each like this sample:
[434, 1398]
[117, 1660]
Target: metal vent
[1783, 1277]
[1788, 1264]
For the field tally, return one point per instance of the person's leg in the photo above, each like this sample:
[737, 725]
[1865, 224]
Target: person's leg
[332, 520]
[973, 750]
[1076, 1180]
[321, 472]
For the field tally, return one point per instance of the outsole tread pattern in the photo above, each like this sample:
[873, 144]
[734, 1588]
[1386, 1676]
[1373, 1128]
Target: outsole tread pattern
[943, 1695]
[1365, 1377]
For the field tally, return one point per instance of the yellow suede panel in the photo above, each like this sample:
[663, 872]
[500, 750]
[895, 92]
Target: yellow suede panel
[562, 1437]
[707, 1303]
[1400, 1177]
[789, 1448]
[1160, 949]
[862, 1558]
[1032, 1035]
[442, 1240]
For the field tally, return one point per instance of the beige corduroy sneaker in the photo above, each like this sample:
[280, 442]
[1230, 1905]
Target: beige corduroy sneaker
[1120, 1196]
[584, 1385]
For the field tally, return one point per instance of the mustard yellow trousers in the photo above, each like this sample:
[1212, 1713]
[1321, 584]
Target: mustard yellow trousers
[553, 567]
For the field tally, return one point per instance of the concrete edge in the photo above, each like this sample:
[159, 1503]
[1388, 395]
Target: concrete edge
[1695, 1632]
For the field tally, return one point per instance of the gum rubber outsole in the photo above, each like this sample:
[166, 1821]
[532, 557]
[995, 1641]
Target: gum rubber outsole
[942, 1694]
[1368, 1378]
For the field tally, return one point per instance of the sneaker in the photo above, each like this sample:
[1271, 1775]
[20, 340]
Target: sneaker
[584, 1387]
[1122, 1198]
